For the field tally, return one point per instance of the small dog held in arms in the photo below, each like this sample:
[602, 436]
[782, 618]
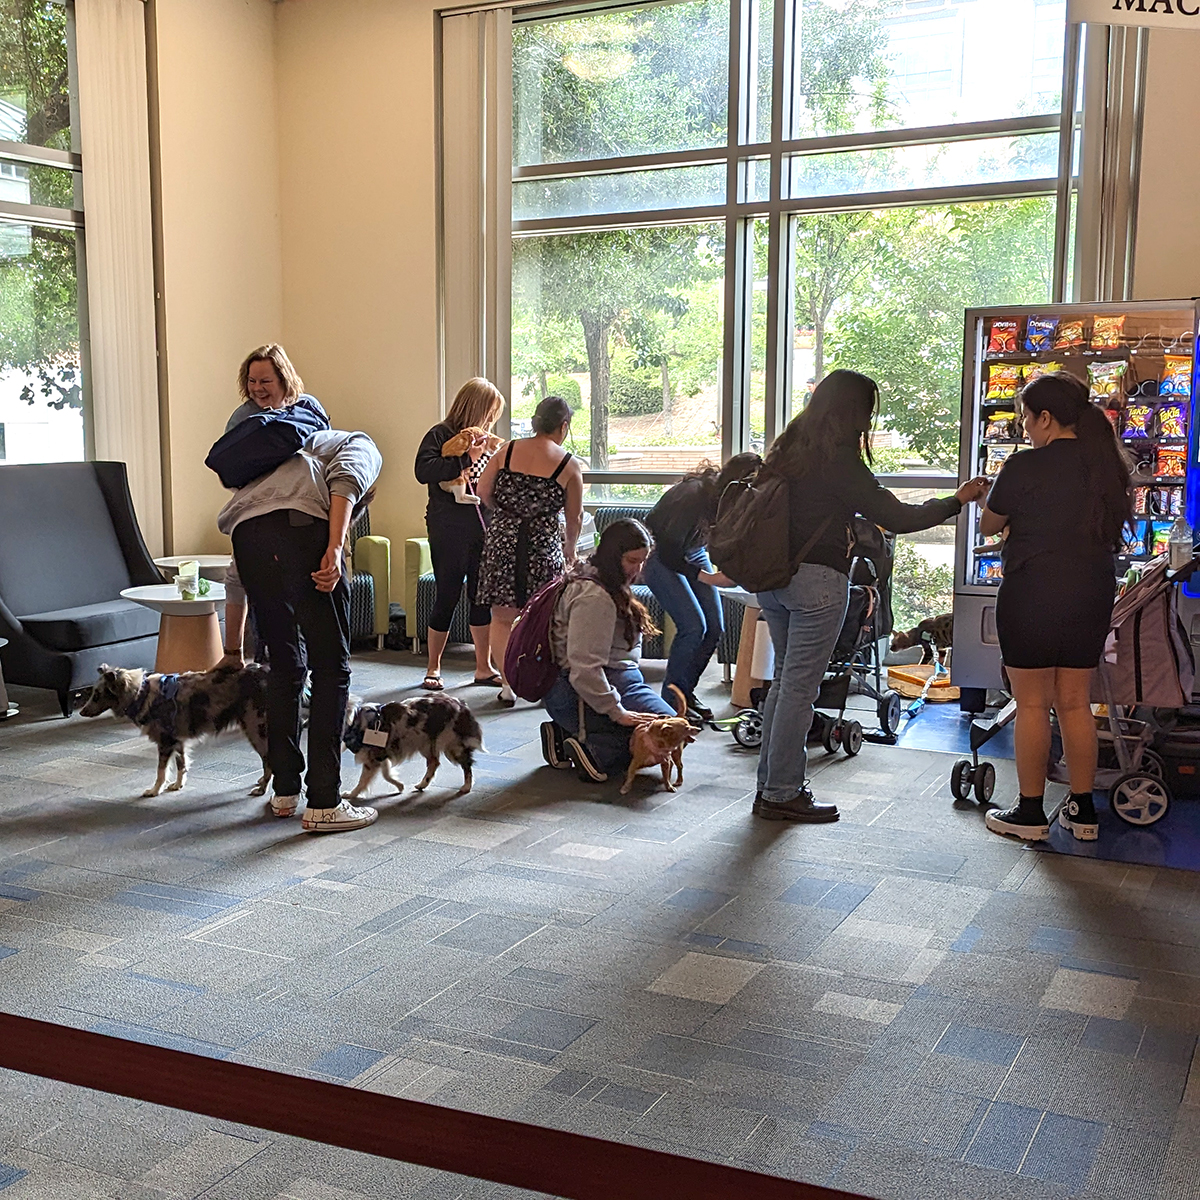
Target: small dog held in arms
[660, 743]
[455, 447]
[175, 710]
[383, 736]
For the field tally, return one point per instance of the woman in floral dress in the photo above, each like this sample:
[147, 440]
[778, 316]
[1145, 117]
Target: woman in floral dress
[526, 485]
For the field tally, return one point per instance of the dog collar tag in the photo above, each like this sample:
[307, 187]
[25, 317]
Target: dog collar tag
[375, 737]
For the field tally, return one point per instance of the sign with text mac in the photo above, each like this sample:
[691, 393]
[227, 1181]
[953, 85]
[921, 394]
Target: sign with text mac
[1154, 14]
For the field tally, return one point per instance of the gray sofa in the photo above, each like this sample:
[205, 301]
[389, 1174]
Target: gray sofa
[69, 544]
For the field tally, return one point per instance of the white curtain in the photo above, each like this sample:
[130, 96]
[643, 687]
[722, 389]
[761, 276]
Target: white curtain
[476, 204]
[115, 146]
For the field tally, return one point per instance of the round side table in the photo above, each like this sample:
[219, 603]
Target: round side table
[7, 709]
[212, 566]
[189, 634]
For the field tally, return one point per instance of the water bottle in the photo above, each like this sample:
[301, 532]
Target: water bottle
[1179, 545]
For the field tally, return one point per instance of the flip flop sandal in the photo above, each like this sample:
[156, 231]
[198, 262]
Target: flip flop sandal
[489, 681]
[433, 683]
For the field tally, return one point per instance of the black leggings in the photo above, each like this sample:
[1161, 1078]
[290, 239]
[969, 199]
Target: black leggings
[302, 628]
[456, 548]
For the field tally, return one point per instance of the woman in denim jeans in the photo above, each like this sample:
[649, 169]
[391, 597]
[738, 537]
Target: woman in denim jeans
[681, 576]
[824, 455]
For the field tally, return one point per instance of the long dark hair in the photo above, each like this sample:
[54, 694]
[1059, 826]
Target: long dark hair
[841, 413]
[617, 540]
[1105, 466]
[716, 479]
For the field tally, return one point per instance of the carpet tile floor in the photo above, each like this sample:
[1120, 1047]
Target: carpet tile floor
[900, 1004]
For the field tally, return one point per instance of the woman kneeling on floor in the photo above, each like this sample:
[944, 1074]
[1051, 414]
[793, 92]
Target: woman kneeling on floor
[596, 639]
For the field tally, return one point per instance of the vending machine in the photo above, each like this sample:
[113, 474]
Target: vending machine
[1138, 360]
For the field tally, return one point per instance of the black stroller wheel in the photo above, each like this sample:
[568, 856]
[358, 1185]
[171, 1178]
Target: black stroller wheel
[748, 731]
[889, 711]
[960, 779]
[852, 738]
[831, 739]
[984, 782]
[1153, 764]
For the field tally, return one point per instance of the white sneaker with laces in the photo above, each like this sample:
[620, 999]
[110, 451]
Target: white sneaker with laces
[283, 806]
[337, 820]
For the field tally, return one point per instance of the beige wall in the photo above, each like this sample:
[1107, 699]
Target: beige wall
[222, 279]
[357, 170]
[1167, 262]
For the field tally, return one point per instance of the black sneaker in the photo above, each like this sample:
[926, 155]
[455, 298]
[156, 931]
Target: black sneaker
[553, 750]
[1025, 820]
[583, 762]
[1078, 814]
[698, 713]
[802, 807]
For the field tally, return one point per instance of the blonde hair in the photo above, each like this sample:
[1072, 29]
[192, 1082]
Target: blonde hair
[275, 354]
[478, 405]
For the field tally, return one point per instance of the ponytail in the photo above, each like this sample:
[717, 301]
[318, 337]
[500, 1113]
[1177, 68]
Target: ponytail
[1106, 467]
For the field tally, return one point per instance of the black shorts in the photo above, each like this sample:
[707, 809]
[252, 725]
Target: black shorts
[1055, 613]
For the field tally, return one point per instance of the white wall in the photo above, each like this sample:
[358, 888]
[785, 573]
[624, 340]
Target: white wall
[1167, 261]
[358, 188]
[222, 273]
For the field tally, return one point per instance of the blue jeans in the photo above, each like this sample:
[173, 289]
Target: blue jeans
[805, 619]
[695, 608]
[607, 741]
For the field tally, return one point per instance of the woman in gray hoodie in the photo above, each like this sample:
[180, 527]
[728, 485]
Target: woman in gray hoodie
[596, 639]
[289, 530]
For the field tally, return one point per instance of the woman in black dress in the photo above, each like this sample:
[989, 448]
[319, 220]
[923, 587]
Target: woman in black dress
[1063, 507]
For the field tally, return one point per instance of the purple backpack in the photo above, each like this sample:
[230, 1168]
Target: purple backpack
[529, 666]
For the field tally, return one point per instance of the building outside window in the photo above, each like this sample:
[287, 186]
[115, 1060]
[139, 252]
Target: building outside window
[42, 369]
[715, 204]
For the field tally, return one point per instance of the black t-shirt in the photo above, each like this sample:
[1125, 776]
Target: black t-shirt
[680, 522]
[1043, 493]
[842, 489]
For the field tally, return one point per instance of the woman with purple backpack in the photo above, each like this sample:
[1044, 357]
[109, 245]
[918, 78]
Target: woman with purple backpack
[595, 639]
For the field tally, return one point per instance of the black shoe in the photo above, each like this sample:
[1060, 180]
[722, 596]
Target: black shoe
[1078, 814]
[553, 750]
[697, 713]
[802, 807]
[1025, 820]
[583, 762]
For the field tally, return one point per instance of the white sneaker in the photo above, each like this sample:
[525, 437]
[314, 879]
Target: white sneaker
[337, 820]
[283, 806]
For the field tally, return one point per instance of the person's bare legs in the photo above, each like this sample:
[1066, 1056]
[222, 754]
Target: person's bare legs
[502, 623]
[1033, 690]
[1072, 706]
[481, 636]
[437, 640]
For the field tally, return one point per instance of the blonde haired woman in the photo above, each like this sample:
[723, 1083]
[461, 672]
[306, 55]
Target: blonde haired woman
[267, 379]
[456, 529]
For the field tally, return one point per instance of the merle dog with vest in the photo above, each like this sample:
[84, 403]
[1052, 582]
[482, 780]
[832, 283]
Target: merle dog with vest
[174, 710]
[380, 736]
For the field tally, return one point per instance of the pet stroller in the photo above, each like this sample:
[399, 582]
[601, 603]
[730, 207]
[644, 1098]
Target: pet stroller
[855, 666]
[1147, 663]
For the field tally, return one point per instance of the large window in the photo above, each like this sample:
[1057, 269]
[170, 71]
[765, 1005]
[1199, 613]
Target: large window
[41, 251]
[716, 202]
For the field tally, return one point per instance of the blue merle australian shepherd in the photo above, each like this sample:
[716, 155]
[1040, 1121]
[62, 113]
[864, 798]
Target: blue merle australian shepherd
[381, 735]
[174, 710]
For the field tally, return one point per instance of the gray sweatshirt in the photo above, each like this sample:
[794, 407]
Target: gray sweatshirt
[331, 463]
[586, 637]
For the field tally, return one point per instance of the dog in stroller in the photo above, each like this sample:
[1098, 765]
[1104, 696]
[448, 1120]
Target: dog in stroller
[855, 665]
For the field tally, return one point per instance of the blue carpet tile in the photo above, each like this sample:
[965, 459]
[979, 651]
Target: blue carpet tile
[901, 1003]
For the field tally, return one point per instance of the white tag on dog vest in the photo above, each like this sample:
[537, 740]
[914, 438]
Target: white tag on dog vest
[375, 737]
